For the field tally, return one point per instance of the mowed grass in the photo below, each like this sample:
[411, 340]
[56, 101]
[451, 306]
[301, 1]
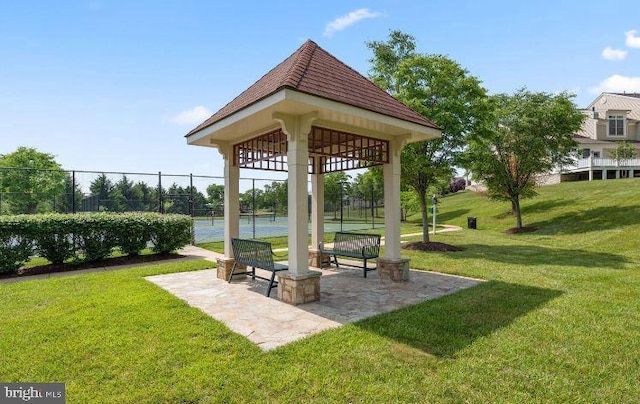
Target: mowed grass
[558, 320]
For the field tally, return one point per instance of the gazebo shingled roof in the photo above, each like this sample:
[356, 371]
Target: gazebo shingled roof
[314, 71]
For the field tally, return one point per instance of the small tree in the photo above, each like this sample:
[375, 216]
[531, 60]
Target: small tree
[440, 90]
[36, 181]
[623, 152]
[336, 187]
[532, 134]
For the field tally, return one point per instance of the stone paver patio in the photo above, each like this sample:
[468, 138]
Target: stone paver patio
[346, 296]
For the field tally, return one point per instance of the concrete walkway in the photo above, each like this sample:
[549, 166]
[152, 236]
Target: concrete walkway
[346, 297]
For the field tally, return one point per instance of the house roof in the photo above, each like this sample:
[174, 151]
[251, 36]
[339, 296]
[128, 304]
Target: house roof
[617, 102]
[588, 140]
[634, 95]
[314, 71]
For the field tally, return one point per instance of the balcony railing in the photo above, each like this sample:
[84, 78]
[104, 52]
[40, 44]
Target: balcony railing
[599, 163]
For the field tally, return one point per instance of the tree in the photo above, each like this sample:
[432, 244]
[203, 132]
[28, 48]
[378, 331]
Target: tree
[440, 90]
[336, 187]
[148, 196]
[276, 196]
[64, 202]
[531, 134]
[215, 196]
[369, 186]
[623, 152]
[34, 184]
[102, 192]
[126, 197]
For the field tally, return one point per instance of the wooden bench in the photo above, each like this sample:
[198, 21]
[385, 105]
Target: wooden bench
[354, 245]
[255, 254]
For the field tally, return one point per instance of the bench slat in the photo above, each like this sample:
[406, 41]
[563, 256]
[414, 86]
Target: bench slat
[255, 254]
[354, 245]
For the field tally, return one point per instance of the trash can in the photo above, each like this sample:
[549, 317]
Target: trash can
[471, 222]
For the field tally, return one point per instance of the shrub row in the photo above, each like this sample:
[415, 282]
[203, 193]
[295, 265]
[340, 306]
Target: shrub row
[88, 236]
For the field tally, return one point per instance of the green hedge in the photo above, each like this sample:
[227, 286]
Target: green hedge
[88, 236]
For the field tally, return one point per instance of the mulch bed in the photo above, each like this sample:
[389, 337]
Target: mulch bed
[525, 229]
[107, 262]
[430, 246]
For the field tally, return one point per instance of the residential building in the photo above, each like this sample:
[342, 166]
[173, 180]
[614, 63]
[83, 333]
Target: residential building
[610, 119]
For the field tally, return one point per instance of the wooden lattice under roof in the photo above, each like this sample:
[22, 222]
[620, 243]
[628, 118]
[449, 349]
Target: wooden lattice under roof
[337, 151]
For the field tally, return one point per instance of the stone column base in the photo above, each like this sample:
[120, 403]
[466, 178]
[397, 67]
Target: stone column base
[298, 289]
[224, 269]
[318, 260]
[394, 270]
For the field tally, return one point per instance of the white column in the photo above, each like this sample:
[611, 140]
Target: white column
[604, 174]
[298, 163]
[391, 173]
[317, 205]
[231, 200]
[297, 128]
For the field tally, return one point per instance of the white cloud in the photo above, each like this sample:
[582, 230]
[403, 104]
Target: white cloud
[613, 54]
[618, 84]
[192, 116]
[632, 41]
[345, 21]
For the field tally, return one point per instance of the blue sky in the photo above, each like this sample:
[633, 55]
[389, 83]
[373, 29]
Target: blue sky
[115, 85]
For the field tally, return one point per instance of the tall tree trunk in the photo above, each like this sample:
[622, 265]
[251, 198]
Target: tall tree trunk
[516, 206]
[422, 195]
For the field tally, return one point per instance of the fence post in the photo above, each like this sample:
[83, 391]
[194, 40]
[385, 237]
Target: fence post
[193, 224]
[341, 202]
[373, 216]
[191, 195]
[73, 191]
[160, 210]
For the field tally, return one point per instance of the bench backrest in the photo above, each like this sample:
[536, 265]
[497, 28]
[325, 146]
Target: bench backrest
[353, 242]
[253, 253]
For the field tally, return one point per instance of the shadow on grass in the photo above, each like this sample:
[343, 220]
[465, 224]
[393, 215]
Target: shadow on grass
[444, 326]
[596, 219]
[448, 216]
[527, 255]
[543, 206]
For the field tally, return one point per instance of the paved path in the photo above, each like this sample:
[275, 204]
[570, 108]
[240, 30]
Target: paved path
[346, 296]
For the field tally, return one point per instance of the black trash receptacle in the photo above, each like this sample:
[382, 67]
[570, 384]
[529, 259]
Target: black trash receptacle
[471, 222]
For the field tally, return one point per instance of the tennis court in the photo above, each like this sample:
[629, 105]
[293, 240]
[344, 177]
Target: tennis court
[209, 230]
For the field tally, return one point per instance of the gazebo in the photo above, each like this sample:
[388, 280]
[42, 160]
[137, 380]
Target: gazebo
[312, 115]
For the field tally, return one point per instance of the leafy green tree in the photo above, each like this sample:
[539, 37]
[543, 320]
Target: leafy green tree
[276, 196]
[531, 134]
[64, 202]
[126, 198]
[336, 186]
[623, 152]
[215, 196]
[177, 200]
[148, 196]
[369, 186]
[102, 192]
[439, 89]
[37, 180]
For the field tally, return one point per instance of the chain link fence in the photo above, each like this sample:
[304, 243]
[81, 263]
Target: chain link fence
[263, 202]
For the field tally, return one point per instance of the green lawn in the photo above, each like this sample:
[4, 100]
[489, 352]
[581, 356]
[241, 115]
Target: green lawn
[557, 321]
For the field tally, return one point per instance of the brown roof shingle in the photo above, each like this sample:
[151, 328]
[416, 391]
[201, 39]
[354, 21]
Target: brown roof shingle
[314, 71]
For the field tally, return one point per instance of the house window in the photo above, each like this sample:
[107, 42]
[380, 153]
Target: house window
[586, 153]
[616, 125]
[596, 154]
